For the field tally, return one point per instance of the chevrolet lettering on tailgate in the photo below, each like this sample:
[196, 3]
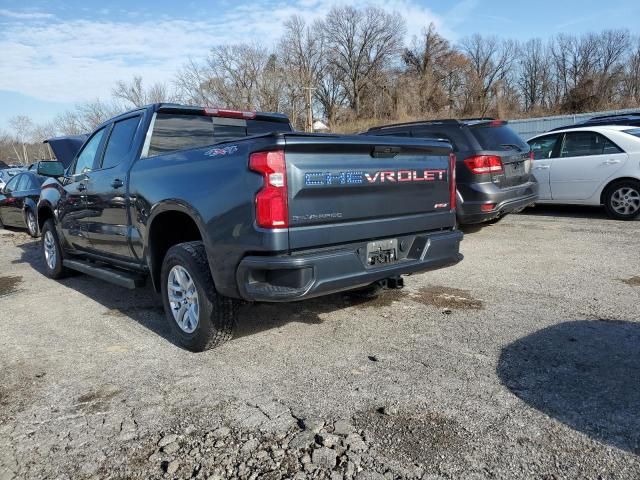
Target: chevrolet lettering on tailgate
[357, 178]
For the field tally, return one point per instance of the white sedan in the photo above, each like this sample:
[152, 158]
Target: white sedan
[590, 166]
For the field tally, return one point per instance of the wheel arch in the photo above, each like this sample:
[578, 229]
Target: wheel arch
[169, 224]
[603, 192]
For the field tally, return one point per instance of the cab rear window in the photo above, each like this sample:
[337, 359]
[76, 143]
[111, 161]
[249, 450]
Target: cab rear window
[498, 137]
[172, 132]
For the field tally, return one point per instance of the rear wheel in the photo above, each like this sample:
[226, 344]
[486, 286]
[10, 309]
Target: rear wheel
[52, 252]
[622, 200]
[199, 317]
[32, 224]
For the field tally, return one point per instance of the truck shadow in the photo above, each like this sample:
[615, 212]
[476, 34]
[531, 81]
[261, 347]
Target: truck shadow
[586, 374]
[144, 305]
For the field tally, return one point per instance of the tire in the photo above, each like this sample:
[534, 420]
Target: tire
[52, 252]
[622, 200]
[199, 317]
[32, 223]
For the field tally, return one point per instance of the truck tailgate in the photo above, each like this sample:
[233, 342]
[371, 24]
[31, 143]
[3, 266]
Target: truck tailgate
[344, 189]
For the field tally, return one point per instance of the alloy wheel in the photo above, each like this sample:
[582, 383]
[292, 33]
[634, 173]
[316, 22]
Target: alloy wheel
[625, 201]
[183, 299]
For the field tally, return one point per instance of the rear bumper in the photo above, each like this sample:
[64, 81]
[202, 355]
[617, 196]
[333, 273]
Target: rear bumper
[472, 198]
[313, 274]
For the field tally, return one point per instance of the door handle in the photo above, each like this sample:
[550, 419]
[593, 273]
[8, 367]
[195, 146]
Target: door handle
[117, 183]
[611, 162]
[82, 187]
[542, 167]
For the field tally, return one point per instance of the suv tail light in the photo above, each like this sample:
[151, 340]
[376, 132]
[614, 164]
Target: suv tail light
[272, 210]
[480, 164]
[452, 181]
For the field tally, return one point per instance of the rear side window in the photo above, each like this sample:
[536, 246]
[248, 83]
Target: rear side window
[498, 137]
[635, 132]
[173, 132]
[583, 144]
[453, 135]
[542, 148]
[23, 184]
[120, 141]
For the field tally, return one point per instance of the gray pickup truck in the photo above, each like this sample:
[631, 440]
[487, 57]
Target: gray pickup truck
[219, 206]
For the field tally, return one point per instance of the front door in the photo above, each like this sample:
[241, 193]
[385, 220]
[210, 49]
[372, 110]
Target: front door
[586, 160]
[73, 214]
[106, 194]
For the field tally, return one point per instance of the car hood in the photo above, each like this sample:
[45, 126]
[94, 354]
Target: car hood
[65, 148]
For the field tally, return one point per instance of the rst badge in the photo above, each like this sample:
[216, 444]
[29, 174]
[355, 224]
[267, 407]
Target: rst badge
[361, 177]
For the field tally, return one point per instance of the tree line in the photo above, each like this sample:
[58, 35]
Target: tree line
[353, 68]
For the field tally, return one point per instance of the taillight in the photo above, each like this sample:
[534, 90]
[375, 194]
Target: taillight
[272, 210]
[480, 164]
[452, 181]
[532, 155]
[225, 113]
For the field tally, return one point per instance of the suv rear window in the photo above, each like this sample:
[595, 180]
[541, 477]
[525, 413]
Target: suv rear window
[498, 137]
[173, 132]
[454, 135]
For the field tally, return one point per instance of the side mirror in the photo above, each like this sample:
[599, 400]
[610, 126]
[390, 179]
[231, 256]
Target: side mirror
[50, 169]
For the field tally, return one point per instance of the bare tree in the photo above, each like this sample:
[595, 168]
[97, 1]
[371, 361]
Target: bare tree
[361, 42]
[22, 127]
[432, 61]
[490, 61]
[134, 93]
[303, 57]
[533, 76]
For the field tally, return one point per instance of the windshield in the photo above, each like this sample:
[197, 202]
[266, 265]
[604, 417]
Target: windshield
[499, 137]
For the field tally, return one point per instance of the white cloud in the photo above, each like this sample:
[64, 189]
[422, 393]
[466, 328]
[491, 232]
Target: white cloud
[24, 15]
[79, 59]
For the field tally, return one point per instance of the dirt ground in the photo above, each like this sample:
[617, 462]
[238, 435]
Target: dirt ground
[523, 361]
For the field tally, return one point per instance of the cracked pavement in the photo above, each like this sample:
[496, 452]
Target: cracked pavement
[522, 361]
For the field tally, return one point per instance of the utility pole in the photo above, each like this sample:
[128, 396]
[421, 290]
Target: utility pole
[309, 100]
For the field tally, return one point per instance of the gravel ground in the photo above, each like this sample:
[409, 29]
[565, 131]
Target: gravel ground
[523, 361]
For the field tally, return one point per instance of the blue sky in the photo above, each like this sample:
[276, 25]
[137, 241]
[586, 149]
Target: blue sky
[54, 54]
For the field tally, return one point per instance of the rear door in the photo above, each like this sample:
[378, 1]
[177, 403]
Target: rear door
[106, 191]
[586, 160]
[545, 150]
[344, 189]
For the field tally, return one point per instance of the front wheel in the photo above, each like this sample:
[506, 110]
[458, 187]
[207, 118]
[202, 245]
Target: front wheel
[622, 200]
[52, 252]
[199, 317]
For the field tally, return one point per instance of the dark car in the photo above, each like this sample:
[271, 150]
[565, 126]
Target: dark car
[19, 200]
[631, 119]
[493, 169]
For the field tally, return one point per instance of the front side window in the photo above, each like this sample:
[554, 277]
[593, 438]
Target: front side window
[543, 147]
[87, 156]
[120, 141]
[584, 144]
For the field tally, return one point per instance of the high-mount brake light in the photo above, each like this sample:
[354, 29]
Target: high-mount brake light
[224, 113]
[272, 210]
[497, 123]
[480, 164]
[452, 181]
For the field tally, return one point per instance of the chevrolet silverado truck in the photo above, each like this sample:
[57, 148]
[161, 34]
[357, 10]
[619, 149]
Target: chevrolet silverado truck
[218, 206]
